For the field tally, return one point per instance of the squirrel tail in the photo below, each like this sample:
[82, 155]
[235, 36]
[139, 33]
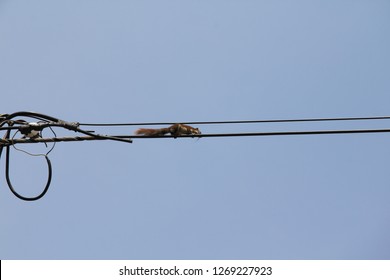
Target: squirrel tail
[151, 131]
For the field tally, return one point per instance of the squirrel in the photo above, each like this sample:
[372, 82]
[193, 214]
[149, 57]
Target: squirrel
[175, 130]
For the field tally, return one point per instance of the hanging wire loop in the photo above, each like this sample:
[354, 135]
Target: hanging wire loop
[11, 187]
[28, 130]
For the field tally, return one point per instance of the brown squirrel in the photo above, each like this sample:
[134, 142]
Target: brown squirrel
[175, 130]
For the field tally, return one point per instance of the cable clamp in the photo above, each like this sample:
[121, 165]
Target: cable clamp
[69, 125]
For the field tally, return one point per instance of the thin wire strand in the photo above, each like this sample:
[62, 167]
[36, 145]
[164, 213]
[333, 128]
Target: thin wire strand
[32, 154]
[243, 121]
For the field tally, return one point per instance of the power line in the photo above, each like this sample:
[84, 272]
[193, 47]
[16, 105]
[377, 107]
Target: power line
[32, 133]
[243, 121]
[248, 134]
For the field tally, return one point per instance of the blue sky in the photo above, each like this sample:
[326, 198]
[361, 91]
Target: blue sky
[290, 197]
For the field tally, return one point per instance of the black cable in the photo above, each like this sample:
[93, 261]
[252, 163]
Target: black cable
[242, 121]
[103, 137]
[11, 128]
[7, 117]
[48, 121]
[248, 134]
[33, 131]
[45, 189]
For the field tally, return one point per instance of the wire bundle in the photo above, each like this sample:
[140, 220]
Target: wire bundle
[32, 133]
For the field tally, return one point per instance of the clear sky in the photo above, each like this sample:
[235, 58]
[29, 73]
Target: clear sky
[290, 197]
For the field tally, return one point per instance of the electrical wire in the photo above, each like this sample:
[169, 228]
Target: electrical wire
[45, 155]
[247, 134]
[11, 187]
[32, 132]
[243, 121]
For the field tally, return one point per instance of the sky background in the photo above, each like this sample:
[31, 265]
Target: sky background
[287, 197]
